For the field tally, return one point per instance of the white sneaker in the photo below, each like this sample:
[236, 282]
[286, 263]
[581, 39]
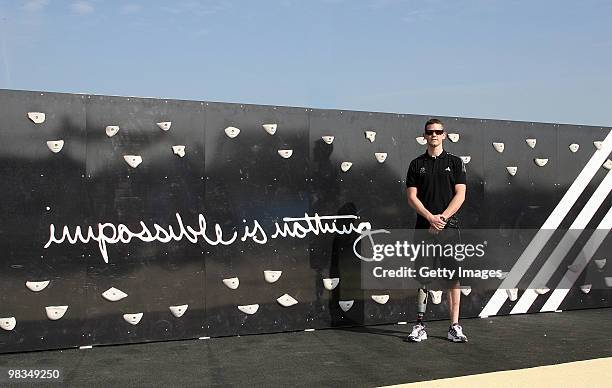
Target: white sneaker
[418, 333]
[455, 334]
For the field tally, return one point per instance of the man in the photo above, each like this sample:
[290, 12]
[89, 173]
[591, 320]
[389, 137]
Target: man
[436, 185]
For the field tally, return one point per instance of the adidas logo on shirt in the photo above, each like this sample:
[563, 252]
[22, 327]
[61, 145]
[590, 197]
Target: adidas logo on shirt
[447, 169]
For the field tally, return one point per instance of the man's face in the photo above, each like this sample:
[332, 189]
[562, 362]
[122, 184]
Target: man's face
[434, 134]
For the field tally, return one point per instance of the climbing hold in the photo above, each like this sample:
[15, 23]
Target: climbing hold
[178, 311]
[285, 153]
[132, 319]
[381, 156]
[499, 147]
[466, 290]
[573, 267]
[249, 309]
[270, 128]
[330, 283]
[542, 291]
[586, 288]
[179, 150]
[540, 162]
[232, 132]
[574, 147]
[380, 299]
[231, 283]
[600, 263]
[345, 166]
[286, 300]
[466, 159]
[598, 144]
[512, 170]
[454, 137]
[8, 323]
[55, 312]
[512, 294]
[36, 117]
[436, 296]
[37, 286]
[114, 295]
[346, 305]
[608, 281]
[328, 139]
[370, 135]
[111, 130]
[421, 140]
[608, 164]
[164, 125]
[272, 276]
[133, 160]
[55, 145]
[531, 142]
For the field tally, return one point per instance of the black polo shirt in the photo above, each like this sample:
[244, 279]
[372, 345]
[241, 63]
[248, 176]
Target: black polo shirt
[435, 178]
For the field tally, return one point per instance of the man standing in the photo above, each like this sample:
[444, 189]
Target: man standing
[436, 185]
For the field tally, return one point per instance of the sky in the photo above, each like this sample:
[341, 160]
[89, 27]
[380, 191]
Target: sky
[546, 61]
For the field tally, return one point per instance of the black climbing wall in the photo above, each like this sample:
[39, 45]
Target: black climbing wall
[231, 183]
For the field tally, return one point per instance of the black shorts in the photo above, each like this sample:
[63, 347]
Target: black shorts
[436, 265]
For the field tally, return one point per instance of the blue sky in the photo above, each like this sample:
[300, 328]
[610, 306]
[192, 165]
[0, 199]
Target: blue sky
[520, 60]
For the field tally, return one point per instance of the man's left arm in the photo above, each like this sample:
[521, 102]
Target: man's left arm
[455, 203]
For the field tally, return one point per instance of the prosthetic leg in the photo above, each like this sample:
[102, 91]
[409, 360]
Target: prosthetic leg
[421, 304]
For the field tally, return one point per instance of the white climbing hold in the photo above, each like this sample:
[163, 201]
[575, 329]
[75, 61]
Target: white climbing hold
[600, 263]
[573, 267]
[466, 290]
[36, 117]
[466, 159]
[249, 309]
[421, 140]
[132, 319]
[608, 164]
[380, 299]
[381, 156]
[8, 323]
[542, 291]
[531, 142]
[370, 135]
[330, 283]
[345, 305]
[285, 153]
[574, 147]
[133, 160]
[512, 170]
[164, 125]
[436, 296]
[286, 300]
[270, 128]
[541, 161]
[499, 147]
[608, 281]
[178, 311]
[512, 294]
[272, 276]
[55, 312]
[454, 137]
[345, 166]
[586, 288]
[113, 294]
[179, 150]
[231, 283]
[598, 144]
[232, 132]
[111, 130]
[328, 139]
[37, 286]
[55, 145]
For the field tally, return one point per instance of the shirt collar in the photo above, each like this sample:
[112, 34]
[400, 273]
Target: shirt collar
[441, 156]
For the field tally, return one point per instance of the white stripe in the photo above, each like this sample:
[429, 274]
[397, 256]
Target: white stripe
[550, 225]
[582, 259]
[567, 242]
